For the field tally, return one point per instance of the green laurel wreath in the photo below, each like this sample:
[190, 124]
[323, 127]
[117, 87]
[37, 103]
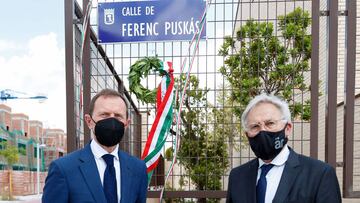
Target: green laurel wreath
[141, 69]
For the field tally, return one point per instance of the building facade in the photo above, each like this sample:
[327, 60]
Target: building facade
[16, 129]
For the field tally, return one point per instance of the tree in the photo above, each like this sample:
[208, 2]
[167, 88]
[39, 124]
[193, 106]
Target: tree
[11, 155]
[227, 123]
[203, 150]
[258, 61]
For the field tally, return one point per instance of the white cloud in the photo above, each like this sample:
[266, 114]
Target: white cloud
[9, 45]
[40, 70]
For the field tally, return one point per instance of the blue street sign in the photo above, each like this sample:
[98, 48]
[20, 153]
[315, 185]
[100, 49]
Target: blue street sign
[157, 20]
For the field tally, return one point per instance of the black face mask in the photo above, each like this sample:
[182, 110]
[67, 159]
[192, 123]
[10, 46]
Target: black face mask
[109, 131]
[267, 145]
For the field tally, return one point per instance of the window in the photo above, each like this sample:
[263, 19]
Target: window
[22, 149]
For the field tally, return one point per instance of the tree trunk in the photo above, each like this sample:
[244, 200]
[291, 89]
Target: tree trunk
[202, 200]
[10, 184]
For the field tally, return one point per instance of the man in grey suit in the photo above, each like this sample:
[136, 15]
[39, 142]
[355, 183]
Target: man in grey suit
[278, 174]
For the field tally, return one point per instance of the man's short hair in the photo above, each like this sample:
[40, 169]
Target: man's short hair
[265, 98]
[107, 93]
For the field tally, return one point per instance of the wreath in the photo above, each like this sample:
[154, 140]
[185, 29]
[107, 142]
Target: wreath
[141, 69]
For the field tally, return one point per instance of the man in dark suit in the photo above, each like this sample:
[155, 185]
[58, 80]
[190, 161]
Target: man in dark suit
[100, 172]
[278, 174]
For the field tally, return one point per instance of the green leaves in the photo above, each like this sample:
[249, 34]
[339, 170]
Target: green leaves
[263, 61]
[141, 69]
[203, 151]
[295, 24]
[10, 153]
[229, 43]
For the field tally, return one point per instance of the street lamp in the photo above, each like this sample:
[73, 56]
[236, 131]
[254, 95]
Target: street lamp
[38, 146]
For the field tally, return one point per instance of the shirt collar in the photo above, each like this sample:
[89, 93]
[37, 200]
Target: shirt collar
[280, 159]
[98, 151]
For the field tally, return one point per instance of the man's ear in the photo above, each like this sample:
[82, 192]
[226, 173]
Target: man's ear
[89, 122]
[127, 123]
[246, 134]
[288, 129]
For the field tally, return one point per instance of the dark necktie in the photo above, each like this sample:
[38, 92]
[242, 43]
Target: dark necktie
[261, 185]
[110, 187]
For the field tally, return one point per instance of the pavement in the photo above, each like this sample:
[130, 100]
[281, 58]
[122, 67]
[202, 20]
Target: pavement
[25, 199]
[350, 200]
[37, 199]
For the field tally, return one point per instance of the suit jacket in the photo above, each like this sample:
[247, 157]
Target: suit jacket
[304, 180]
[75, 179]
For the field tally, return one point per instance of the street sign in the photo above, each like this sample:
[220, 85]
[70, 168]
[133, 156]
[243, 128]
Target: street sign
[158, 20]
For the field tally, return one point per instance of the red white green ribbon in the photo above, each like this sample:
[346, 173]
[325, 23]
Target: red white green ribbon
[163, 121]
[194, 45]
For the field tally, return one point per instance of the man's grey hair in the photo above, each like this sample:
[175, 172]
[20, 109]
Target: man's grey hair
[265, 98]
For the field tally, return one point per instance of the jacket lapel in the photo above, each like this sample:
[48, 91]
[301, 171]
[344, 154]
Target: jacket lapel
[90, 174]
[251, 181]
[291, 170]
[126, 177]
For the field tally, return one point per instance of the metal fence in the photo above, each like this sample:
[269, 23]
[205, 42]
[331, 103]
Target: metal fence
[332, 134]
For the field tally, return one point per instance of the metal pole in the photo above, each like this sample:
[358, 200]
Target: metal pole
[314, 123]
[349, 102]
[69, 65]
[87, 72]
[38, 165]
[331, 104]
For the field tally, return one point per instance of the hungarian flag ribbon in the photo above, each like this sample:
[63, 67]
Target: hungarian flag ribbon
[162, 123]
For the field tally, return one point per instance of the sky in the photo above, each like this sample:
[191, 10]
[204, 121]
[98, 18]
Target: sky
[32, 60]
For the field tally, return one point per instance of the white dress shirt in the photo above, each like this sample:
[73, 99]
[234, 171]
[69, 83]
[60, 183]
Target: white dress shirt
[274, 175]
[98, 152]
